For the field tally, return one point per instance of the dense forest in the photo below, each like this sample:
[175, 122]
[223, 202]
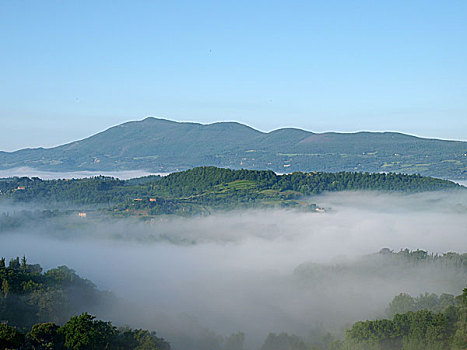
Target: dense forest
[422, 329]
[203, 189]
[33, 305]
[80, 332]
[30, 296]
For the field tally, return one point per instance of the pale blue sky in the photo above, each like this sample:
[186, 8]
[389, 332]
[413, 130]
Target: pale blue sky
[72, 68]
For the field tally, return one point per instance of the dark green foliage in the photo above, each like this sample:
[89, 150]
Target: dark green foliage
[45, 336]
[92, 191]
[404, 303]
[196, 191]
[460, 335]
[36, 301]
[200, 180]
[417, 330]
[28, 296]
[167, 146]
[146, 340]
[81, 332]
[10, 338]
[412, 330]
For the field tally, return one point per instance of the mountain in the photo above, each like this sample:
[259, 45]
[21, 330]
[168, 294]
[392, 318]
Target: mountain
[161, 145]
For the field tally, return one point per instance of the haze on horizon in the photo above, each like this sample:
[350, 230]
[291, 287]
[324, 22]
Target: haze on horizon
[72, 69]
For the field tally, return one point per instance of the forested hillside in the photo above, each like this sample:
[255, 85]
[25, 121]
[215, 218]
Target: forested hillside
[30, 296]
[39, 310]
[203, 189]
[80, 332]
[414, 330]
[160, 145]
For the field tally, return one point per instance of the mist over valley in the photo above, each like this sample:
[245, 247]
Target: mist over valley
[233, 175]
[259, 270]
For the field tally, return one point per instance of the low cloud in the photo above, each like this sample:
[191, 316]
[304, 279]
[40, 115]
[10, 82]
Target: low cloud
[237, 271]
[49, 175]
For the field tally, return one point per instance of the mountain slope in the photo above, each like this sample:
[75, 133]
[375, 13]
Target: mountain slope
[163, 145]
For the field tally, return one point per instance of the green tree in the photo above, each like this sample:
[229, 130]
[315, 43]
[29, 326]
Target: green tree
[235, 341]
[23, 263]
[460, 337]
[83, 332]
[283, 341]
[148, 341]
[10, 338]
[45, 336]
[401, 304]
[14, 264]
[5, 288]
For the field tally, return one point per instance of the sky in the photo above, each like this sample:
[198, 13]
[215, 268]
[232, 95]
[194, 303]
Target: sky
[69, 69]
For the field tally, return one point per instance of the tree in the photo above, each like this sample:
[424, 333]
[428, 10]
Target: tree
[401, 304]
[23, 264]
[148, 341]
[235, 341]
[10, 338]
[283, 341]
[14, 264]
[5, 288]
[83, 332]
[460, 337]
[45, 336]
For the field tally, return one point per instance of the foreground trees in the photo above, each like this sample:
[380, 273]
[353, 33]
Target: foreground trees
[33, 303]
[420, 329]
[417, 330]
[10, 338]
[81, 332]
[29, 296]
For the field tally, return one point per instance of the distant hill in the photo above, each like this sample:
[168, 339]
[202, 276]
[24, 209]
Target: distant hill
[161, 145]
[198, 191]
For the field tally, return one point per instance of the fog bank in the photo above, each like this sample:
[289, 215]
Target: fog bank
[53, 175]
[236, 271]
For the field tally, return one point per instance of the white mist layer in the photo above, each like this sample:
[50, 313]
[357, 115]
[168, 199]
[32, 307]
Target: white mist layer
[237, 273]
[53, 175]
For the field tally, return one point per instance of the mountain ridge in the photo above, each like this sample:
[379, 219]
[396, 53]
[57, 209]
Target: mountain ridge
[162, 145]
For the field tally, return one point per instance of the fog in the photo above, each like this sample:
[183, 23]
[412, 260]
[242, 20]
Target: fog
[50, 175]
[242, 270]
